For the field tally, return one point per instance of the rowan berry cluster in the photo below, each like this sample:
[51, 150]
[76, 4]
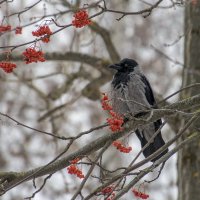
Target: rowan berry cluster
[73, 169]
[18, 30]
[105, 103]
[5, 28]
[115, 121]
[108, 191]
[33, 55]
[121, 147]
[140, 194]
[111, 197]
[7, 66]
[43, 31]
[81, 19]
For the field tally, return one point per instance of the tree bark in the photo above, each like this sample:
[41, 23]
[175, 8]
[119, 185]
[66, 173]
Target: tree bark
[189, 157]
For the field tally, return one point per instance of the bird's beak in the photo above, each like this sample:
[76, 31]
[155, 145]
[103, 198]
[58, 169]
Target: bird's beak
[115, 66]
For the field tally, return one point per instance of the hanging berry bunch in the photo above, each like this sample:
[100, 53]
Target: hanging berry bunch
[108, 192]
[119, 146]
[8, 67]
[33, 55]
[73, 169]
[115, 120]
[81, 19]
[4, 28]
[139, 194]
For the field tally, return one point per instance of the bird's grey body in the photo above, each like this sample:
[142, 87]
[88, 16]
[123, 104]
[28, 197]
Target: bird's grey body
[131, 93]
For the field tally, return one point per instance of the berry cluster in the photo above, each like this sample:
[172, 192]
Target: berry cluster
[33, 55]
[43, 31]
[140, 194]
[121, 147]
[115, 121]
[5, 28]
[18, 30]
[7, 66]
[111, 197]
[81, 19]
[105, 103]
[108, 191]
[73, 169]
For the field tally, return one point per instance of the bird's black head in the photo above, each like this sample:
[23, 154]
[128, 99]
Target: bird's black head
[125, 66]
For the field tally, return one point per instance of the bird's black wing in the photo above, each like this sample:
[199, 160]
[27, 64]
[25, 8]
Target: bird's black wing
[158, 140]
[148, 91]
[150, 98]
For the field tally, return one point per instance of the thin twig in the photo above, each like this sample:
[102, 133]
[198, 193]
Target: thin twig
[31, 128]
[41, 187]
[90, 170]
[178, 91]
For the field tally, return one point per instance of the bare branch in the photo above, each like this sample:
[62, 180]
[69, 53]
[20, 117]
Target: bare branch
[146, 12]
[41, 187]
[166, 56]
[91, 169]
[34, 129]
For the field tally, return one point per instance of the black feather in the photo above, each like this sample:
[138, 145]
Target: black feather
[148, 91]
[121, 78]
[152, 147]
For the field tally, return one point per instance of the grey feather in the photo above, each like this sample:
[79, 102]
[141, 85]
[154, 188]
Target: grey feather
[131, 99]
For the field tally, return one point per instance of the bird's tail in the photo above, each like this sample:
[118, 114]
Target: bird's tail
[152, 147]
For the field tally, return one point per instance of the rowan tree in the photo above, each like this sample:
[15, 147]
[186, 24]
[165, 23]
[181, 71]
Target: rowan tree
[60, 137]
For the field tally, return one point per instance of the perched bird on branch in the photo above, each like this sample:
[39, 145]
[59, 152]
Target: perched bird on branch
[131, 93]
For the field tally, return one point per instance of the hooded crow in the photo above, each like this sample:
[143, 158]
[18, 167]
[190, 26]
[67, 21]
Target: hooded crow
[131, 93]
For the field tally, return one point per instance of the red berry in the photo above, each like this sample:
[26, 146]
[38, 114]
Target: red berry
[18, 30]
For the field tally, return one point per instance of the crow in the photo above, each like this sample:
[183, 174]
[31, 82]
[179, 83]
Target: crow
[131, 93]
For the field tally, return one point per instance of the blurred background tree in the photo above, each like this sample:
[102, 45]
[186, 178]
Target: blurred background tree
[189, 156]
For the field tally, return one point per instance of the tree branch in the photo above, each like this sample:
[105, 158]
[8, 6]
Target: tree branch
[15, 178]
[154, 165]
[105, 34]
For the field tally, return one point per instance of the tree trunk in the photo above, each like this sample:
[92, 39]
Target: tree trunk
[189, 157]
